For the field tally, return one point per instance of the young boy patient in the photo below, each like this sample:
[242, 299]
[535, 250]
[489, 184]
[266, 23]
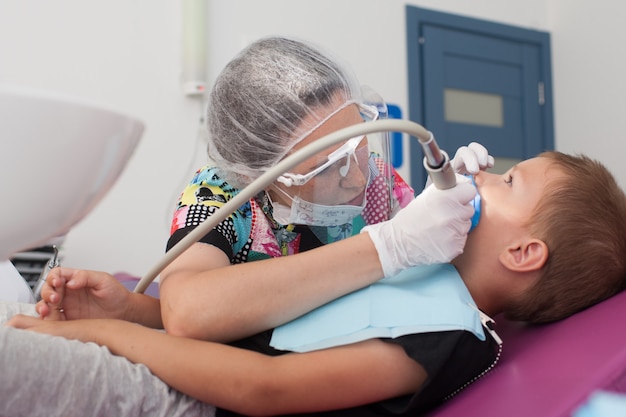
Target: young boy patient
[551, 241]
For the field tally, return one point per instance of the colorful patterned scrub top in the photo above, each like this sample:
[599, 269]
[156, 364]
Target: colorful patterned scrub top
[251, 233]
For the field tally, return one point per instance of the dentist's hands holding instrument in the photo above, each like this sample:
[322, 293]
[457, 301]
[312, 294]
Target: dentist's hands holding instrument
[430, 229]
[433, 228]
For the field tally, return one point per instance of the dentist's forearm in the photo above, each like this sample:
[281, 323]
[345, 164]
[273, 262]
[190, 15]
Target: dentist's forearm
[235, 301]
[144, 310]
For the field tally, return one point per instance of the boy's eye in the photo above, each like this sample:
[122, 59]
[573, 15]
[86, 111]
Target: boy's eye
[509, 180]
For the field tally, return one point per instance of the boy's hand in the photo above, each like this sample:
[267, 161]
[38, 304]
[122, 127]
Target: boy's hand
[85, 331]
[50, 307]
[78, 294]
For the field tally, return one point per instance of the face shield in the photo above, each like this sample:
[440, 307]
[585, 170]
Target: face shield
[335, 165]
[343, 188]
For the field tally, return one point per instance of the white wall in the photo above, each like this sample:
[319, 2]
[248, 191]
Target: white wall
[589, 70]
[126, 55]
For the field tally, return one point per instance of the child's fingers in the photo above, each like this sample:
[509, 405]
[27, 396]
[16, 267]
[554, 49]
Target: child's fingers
[51, 305]
[54, 288]
[42, 309]
[55, 313]
[48, 311]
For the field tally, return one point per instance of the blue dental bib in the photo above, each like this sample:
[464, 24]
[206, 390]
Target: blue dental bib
[418, 300]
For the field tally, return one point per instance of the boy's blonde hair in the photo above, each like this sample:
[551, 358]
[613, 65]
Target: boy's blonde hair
[582, 219]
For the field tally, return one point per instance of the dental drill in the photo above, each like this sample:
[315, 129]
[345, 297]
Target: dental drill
[52, 263]
[436, 162]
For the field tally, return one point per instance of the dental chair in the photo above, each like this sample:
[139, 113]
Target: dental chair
[544, 371]
[550, 370]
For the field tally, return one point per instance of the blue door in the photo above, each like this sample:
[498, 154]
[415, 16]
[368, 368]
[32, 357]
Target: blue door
[473, 80]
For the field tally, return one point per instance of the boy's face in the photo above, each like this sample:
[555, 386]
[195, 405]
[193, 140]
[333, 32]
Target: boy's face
[507, 202]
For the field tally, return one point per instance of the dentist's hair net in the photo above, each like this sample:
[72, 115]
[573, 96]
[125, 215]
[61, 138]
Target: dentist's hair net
[269, 98]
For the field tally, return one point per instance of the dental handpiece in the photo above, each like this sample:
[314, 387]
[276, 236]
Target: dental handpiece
[437, 163]
[52, 263]
[439, 168]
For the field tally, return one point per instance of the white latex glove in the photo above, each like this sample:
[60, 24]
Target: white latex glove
[430, 229]
[471, 158]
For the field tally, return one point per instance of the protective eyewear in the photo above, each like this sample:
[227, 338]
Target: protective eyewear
[346, 151]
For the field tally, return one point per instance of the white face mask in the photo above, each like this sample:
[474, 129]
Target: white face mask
[312, 214]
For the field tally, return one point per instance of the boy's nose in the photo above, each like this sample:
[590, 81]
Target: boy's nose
[482, 176]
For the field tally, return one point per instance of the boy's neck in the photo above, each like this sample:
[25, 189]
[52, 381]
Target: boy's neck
[487, 298]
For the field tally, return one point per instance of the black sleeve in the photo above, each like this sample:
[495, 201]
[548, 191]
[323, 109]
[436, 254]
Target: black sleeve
[452, 360]
[214, 237]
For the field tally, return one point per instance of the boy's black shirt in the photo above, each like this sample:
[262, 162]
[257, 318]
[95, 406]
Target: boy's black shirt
[451, 359]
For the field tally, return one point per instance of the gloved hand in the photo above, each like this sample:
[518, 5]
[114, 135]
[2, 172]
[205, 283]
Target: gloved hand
[471, 158]
[430, 229]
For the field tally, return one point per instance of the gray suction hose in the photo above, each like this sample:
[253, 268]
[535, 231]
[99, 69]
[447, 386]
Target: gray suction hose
[436, 162]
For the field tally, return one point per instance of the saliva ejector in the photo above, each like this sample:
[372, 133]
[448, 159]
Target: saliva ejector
[436, 162]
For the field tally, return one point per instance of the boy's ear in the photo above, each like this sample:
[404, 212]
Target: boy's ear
[526, 256]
